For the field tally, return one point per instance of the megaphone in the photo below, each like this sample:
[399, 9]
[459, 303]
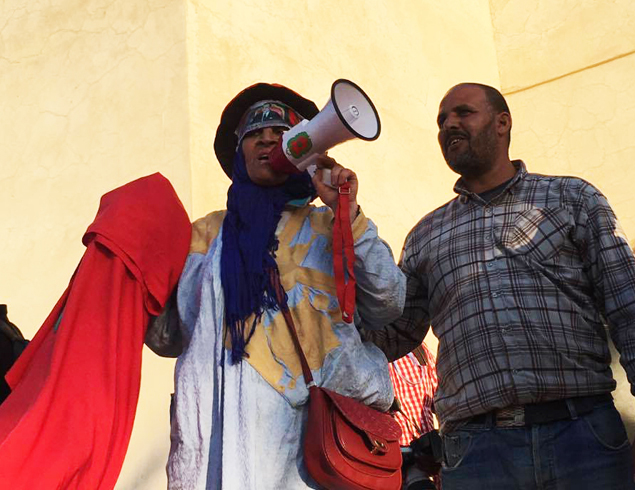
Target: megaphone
[348, 114]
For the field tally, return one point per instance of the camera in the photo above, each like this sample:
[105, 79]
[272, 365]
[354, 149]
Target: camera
[421, 461]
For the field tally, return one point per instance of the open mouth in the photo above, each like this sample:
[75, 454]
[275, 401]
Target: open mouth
[454, 141]
[263, 158]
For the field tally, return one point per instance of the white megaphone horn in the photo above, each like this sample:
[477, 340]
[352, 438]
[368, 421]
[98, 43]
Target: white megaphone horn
[348, 114]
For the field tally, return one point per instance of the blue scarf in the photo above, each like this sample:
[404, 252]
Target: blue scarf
[249, 246]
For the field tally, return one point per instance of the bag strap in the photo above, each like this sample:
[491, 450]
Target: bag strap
[421, 355]
[409, 419]
[274, 275]
[422, 358]
[344, 254]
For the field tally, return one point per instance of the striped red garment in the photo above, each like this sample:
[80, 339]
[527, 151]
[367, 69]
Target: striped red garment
[414, 387]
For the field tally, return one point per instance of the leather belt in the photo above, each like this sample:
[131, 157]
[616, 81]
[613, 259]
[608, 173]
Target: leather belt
[541, 413]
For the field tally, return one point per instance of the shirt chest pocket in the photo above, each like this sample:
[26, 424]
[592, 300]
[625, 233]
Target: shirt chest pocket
[539, 234]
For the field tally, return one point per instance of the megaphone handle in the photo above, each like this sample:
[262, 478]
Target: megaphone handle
[326, 177]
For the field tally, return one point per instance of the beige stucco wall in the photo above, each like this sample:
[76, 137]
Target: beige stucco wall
[567, 69]
[93, 95]
[538, 41]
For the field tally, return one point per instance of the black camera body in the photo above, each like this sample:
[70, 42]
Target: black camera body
[421, 461]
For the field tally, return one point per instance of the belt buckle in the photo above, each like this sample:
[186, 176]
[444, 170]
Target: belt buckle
[510, 417]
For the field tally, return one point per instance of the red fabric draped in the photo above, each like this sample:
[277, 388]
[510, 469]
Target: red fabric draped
[67, 423]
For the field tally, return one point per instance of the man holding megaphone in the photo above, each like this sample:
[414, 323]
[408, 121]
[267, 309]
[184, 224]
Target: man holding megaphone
[240, 406]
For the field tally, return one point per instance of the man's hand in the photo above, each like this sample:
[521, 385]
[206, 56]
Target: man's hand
[339, 175]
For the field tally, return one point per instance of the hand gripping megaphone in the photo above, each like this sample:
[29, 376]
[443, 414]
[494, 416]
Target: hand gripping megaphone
[348, 114]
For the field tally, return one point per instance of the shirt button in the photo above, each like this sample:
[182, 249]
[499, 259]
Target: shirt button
[515, 371]
[494, 294]
[490, 264]
[488, 210]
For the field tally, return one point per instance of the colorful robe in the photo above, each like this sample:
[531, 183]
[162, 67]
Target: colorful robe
[241, 426]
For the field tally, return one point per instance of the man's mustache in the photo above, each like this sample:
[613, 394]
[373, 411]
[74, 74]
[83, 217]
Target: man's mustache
[449, 135]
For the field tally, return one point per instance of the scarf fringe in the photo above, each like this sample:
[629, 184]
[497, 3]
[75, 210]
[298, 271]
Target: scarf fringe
[249, 248]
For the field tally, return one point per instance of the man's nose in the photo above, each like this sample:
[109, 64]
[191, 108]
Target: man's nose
[451, 122]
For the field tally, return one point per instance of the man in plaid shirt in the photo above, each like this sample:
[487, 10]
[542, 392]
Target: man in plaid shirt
[519, 276]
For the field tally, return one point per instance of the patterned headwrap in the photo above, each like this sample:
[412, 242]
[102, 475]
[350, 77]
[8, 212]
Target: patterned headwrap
[266, 114]
[249, 238]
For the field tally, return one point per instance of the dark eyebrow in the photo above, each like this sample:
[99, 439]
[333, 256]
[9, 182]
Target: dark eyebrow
[463, 107]
[459, 108]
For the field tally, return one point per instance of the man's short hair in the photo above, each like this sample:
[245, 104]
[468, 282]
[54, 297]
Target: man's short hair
[495, 99]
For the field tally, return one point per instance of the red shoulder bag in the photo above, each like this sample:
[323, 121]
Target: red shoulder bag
[347, 445]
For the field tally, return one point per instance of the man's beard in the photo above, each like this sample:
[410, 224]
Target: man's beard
[479, 156]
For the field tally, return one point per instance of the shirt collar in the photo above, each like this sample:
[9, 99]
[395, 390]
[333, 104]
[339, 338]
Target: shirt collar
[465, 194]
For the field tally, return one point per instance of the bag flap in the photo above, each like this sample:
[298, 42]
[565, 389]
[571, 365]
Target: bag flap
[380, 456]
[371, 421]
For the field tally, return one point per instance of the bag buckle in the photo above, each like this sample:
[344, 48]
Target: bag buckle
[344, 190]
[378, 446]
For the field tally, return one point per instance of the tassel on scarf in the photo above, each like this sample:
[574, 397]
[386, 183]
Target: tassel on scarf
[249, 246]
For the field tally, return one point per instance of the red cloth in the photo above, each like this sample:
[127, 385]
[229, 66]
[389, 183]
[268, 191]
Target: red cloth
[67, 423]
[414, 387]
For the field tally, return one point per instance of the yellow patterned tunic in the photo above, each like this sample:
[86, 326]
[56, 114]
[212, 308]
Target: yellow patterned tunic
[240, 426]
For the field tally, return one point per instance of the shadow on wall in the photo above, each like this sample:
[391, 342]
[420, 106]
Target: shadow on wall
[150, 473]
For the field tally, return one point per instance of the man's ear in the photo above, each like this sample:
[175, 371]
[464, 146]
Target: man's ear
[503, 123]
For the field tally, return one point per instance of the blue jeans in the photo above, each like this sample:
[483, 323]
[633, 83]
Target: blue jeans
[591, 452]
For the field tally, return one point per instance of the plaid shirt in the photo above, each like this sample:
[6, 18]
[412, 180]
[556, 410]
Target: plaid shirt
[414, 387]
[518, 292]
